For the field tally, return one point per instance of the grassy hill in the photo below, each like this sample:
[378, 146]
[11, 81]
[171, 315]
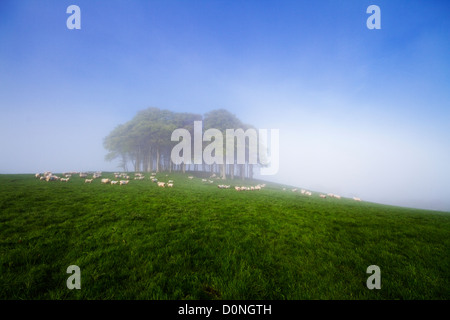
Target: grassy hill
[196, 241]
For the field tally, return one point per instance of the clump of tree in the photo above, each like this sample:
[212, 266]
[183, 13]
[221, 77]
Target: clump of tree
[145, 142]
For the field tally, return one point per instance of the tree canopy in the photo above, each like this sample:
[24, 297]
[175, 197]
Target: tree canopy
[145, 141]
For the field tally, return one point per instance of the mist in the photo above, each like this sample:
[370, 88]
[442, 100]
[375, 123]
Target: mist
[360, 112]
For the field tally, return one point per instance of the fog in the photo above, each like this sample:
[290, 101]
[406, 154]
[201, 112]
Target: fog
[360, 112]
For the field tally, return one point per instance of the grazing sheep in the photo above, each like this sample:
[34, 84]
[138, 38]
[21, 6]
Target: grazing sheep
[170, 185]
[37, 175]
[323, 196]
[190, 177]
[356, 199]
[162, 184]
[106, 181]
[88, 180]
[64, 179]
[114, 182]
[122, 182]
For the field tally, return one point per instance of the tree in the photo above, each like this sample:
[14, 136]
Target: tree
[145, 140]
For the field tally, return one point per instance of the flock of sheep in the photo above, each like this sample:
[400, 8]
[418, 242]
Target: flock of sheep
[323, 196]
[124, 179]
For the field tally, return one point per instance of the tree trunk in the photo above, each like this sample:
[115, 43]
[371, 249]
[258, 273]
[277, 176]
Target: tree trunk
[224, 174]
[157, 160]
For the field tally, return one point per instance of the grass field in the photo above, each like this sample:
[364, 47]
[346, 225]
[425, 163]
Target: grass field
[195, 241]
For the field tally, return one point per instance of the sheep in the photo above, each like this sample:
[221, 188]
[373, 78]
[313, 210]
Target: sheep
[64, 179]
[42, 178]
[294, 190]
[190, 177]
[323, 196]
[37, 175]
[83, 175]
[337, 197]
[88, 180]
[237, 188]
[122, 182]
[170, 185]
[106, 181]
[356, 199]
[170, 181]
[114, 182]
[162, 184]
[154, 180]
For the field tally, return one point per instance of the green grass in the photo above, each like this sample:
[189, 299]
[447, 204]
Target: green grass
[196, 241]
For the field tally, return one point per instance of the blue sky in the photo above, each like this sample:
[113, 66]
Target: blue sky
[360, 112]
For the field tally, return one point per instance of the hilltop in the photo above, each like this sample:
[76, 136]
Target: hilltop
[197, 241]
